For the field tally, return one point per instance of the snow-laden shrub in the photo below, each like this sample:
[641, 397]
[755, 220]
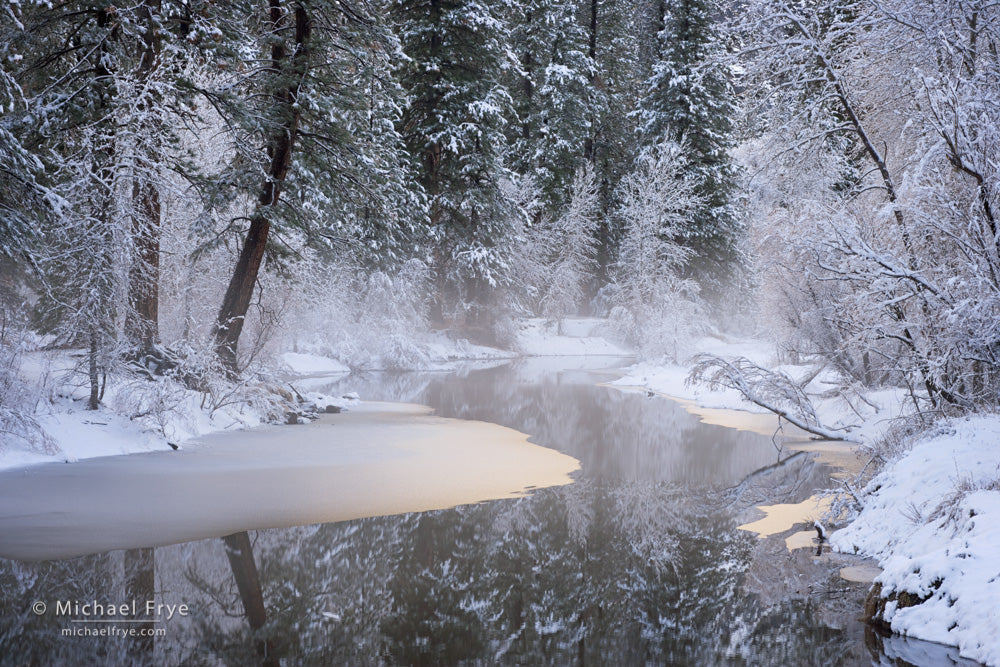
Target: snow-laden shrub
[571, 244]
[155, 403]
[665, 325]
[654, 308]
[192, 384]
[19, 400]
[364, 319]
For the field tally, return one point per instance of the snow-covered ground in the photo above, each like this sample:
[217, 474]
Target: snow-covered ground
[312, 364]
[135, 415]
[669, 378]
[932, 519]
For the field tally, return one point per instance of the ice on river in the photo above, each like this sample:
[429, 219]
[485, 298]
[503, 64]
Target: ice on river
[377, 459]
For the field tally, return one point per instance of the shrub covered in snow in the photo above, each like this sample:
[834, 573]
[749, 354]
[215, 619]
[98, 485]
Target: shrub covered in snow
[18, 401]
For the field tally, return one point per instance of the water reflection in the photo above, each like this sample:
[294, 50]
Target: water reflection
[640, 561]
[615, 435]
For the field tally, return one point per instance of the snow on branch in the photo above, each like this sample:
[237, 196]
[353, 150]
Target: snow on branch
[773, 391]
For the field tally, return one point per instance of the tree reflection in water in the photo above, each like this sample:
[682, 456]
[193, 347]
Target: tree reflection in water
[639, 561]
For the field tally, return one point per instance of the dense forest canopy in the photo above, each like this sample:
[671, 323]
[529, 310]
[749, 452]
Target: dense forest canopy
[189, 184]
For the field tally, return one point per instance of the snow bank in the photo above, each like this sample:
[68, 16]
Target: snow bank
[310, 364]
[78, 433]
[862, 418]
[421, 351]
[932, 519]
[136, 414]
[540, 337]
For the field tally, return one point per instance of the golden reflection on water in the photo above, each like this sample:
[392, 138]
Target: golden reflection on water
[782, 517]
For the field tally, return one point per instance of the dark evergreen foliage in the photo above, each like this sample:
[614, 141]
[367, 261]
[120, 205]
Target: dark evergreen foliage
[689, 99]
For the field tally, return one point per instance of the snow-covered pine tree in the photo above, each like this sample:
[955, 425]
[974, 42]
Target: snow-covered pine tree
[72, 82]
[611, 144]
[101, 91]
[21, 197]
[147, 151]
[689, 99]
[454, 129]
[555, 98]
[315, 159]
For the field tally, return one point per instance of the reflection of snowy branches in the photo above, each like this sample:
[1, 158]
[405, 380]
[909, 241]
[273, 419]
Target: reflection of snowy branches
[648, 520]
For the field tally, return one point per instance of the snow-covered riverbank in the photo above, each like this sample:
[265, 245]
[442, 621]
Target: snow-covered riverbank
[142, 415]
[855, 415]
[930, 518]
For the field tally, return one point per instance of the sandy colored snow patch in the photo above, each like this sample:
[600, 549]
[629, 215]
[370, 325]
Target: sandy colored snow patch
[839, 454]
[803, 539]
[377, 459]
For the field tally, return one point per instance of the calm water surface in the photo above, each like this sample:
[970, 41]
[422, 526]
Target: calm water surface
[638, 562]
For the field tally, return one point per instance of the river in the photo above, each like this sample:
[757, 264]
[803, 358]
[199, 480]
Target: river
[637, 558]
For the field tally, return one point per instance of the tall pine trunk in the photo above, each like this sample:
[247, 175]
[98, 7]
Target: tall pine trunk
[289, 69]
[99, 299]
[142, 318]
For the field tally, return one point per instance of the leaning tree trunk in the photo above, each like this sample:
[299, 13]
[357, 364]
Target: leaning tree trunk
[281, 145]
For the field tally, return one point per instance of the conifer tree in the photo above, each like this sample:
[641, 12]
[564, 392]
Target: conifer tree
[75, 77]
[313, 146]
[611, 143]
[555, 97]
[454, 130]
[689, 100]
[102, 93]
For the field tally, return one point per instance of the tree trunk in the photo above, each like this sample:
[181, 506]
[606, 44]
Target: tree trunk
[588, 145]
[93, 371]
[142, 318]
[237, 300]
[281, 145]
